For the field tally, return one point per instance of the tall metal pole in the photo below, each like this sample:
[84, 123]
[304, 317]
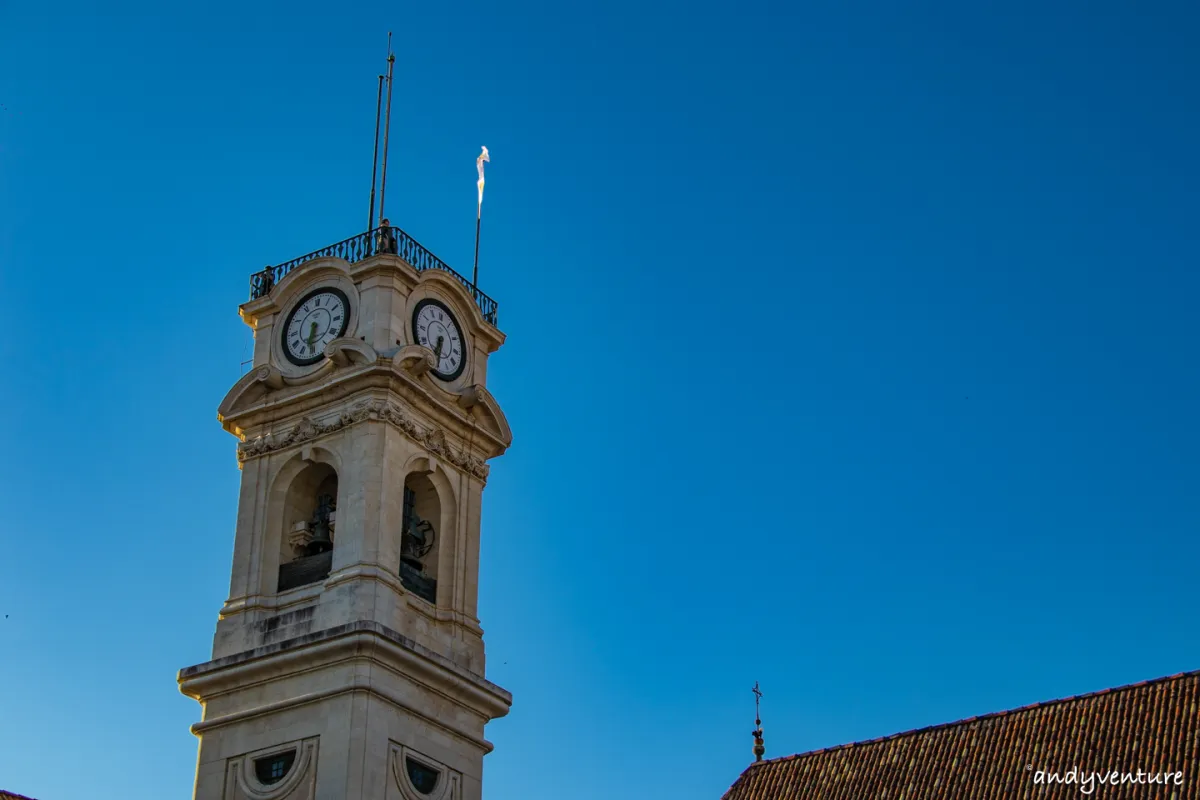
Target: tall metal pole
[375, 157]
[387, 127]
[479, 162]
[475, 272]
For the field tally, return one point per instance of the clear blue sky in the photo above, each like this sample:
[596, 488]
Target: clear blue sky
[852, 349]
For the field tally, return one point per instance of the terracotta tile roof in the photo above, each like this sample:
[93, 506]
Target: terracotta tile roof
[1153, 726]
[10, 796]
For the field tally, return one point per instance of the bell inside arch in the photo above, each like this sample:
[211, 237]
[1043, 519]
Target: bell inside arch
[322, 526]
[417, 541]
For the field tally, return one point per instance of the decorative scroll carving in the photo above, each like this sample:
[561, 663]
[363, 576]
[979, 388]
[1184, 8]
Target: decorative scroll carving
[471, 396]
[432, 439]
[415, 359]
[346, 350]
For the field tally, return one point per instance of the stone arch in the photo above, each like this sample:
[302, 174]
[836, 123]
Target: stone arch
[301, 511]
[429, 511]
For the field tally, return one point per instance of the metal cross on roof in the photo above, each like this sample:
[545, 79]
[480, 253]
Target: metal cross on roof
[759, 748]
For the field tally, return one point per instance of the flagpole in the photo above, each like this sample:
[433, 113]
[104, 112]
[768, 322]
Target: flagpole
[375, 157]
[479, 162]
[475, 273]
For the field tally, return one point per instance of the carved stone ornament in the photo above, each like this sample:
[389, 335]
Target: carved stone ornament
[432, 439]
[435, 442]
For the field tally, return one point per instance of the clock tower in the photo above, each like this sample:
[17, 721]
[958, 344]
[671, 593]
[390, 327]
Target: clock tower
[348, 660]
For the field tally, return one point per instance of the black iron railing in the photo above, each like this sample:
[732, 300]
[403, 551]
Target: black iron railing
[364, 245]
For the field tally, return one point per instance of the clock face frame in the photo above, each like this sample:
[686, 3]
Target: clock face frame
[316, 311]
[431, 319]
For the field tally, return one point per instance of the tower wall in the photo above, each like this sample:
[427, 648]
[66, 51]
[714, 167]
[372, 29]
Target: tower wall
[348, 659]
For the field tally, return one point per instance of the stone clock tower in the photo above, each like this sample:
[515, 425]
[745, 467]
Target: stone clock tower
[348, 661]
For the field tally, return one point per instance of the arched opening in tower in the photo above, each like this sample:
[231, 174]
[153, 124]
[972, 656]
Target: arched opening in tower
[310, 520]
[419, 543]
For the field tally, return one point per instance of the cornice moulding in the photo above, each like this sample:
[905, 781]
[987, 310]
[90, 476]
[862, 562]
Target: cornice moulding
[363, 639]
[307, 429]
[357, 684]
[460, 413]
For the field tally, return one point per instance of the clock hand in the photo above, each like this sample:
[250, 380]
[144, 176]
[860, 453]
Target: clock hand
[312, 335]
[437, 351]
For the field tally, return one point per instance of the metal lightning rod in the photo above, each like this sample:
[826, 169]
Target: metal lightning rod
[387, 127]
[375, 156]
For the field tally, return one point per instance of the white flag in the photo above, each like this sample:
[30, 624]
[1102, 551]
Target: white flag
[479, 164]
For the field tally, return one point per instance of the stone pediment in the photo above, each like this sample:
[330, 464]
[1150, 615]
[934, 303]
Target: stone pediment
[250, 389]
[479, 402]
[349, 366]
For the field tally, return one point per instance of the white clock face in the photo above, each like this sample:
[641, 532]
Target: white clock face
[319, 318]
[435, 327]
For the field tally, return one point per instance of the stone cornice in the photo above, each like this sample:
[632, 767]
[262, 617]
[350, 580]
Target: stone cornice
[450, 411]
[334, 644]
[307, 429]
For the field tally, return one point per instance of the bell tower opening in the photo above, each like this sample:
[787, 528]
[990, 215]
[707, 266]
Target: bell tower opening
[418, 539]
[309, 518]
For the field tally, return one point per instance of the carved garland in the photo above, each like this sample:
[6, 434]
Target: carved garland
[432, 439]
